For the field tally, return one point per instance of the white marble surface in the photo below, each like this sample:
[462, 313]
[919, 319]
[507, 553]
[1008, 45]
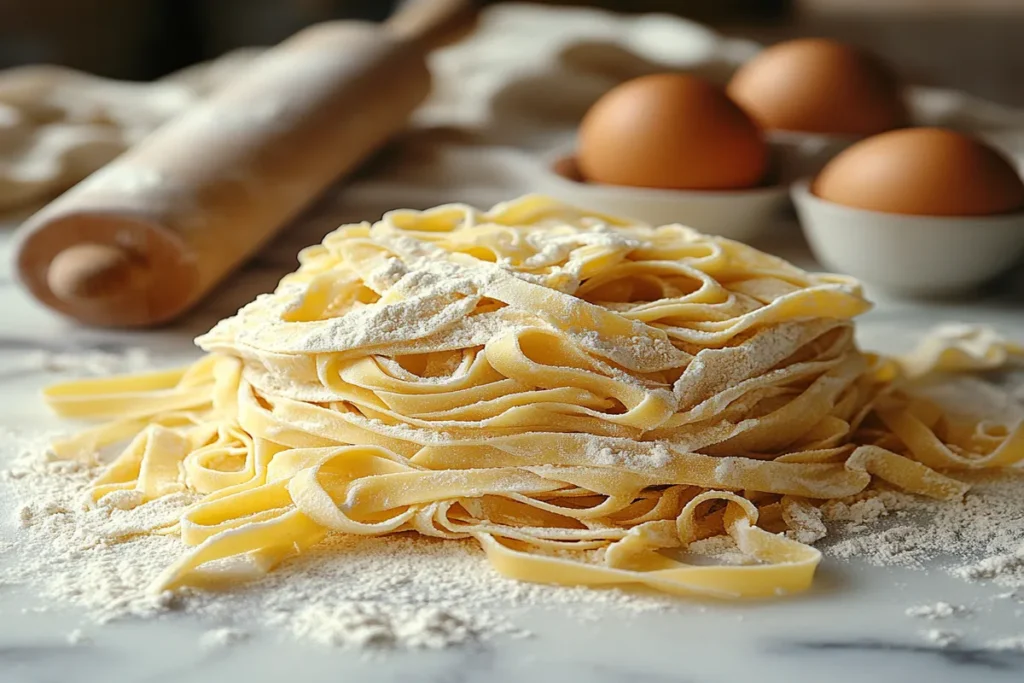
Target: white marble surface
[850, 627]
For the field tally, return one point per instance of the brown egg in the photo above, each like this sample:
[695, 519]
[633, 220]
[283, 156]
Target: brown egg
[819, 86]
[922, 171]
[670, 131]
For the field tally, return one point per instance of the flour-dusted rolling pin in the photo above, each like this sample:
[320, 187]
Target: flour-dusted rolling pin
[146, 237]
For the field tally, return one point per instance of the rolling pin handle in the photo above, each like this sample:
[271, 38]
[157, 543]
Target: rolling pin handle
[434, 23]
[87, 272]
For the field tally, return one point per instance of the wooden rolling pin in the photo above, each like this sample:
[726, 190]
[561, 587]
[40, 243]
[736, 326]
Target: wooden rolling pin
[146, 237]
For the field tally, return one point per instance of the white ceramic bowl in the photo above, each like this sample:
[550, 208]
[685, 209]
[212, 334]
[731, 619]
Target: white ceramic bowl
[921, 256]
[736, 214]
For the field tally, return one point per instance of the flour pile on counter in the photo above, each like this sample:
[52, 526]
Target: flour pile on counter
[372, 593]
[940, 610]
[91, 556]
[381, 593]
[943, 637]
[89, 362]
[222, 637]
[978, 539]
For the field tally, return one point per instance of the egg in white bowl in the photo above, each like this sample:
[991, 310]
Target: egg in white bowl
[909, 255]
[735, 214]
[814, 98]
[917, 211]
[670, 148]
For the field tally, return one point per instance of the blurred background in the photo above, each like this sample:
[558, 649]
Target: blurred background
[972, 45]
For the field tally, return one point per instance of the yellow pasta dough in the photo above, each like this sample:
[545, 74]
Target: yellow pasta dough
[584, 395]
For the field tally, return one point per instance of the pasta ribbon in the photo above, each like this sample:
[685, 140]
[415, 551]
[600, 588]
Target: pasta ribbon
[586, 396]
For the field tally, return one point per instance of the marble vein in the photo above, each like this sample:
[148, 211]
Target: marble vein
[960, 656]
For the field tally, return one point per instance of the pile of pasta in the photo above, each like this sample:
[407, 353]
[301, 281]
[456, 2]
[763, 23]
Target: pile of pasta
[584, 395]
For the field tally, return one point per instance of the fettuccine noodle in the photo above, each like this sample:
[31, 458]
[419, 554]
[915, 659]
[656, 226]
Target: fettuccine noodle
[583, 395]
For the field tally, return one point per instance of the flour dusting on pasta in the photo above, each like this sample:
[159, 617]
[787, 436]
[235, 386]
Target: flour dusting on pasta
[581, 395]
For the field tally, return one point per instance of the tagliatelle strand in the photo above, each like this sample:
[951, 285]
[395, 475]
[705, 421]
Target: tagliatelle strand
[583, 395]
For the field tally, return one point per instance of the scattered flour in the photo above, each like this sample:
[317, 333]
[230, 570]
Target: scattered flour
[979, 538]
[1011, 644]
[805, 523]
[77, 637]
[413, 592]
[1016, 595]
[122, 500]
[940, 610]
[1005, 569]
[369, 625]
[400, 591]
[717, 550]
[222, 637]
[89, 363]
[942, 637]
[865, 508]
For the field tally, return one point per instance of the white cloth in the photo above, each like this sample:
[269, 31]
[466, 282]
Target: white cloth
[58, 125]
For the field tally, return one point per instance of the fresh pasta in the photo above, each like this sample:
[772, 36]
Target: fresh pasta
[584, 395]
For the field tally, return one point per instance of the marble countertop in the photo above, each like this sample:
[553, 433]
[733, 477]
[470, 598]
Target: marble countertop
[850, 628]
